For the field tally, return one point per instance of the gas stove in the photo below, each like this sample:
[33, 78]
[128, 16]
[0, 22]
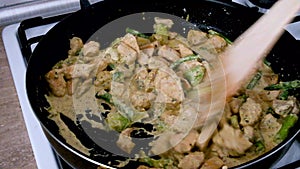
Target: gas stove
[17, 53]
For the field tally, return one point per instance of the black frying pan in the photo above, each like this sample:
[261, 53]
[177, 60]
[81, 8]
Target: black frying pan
[222, 16]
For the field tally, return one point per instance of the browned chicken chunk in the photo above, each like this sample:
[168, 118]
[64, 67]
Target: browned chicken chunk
[232, 140]
[250, 112]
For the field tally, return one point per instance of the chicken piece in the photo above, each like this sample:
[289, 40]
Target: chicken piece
[140, 100]
[138, 82]
[68, 71]
[149, 48]
[57, 83]
[250, 112]
[185, 83]
[157, 62]
[75, 46]
[149, 81]
[144, 80]
[216, 150]
[184, 51]
[167, 22]
[101, 63]
[118, 89]
[172, 35]
[296, 108]
[91, 49]
[168, 117]
[69, 87]
[217, 42]
[112, 54]
[268, 128]
[125, 142]
[103, 79]
[213, 163]
[283, 107]
[269, 124]
[228, 117]
[187, 143]
[232, 140]
[267, 80]
[192, 161]
[235, 104]
[83, 71]
[168, 88]
[129, 55]
[270, 78]
[129, 49]
[81, 86]
[143, 58]
[131, 41]
[168, 53]
[248, 132]
[195, 37]
[256, 95]
[269, 95]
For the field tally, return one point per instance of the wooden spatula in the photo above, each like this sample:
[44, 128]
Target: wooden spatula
[240, 61]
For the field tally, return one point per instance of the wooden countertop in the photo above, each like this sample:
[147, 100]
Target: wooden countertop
[15, 147]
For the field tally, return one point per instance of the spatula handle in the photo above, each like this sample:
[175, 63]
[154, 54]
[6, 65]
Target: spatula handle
[248, 50]
[242, 58]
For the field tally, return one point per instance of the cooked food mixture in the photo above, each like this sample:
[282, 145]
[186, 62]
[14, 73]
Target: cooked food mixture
[144, 86]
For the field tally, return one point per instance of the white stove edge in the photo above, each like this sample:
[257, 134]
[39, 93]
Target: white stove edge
[42, 150]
